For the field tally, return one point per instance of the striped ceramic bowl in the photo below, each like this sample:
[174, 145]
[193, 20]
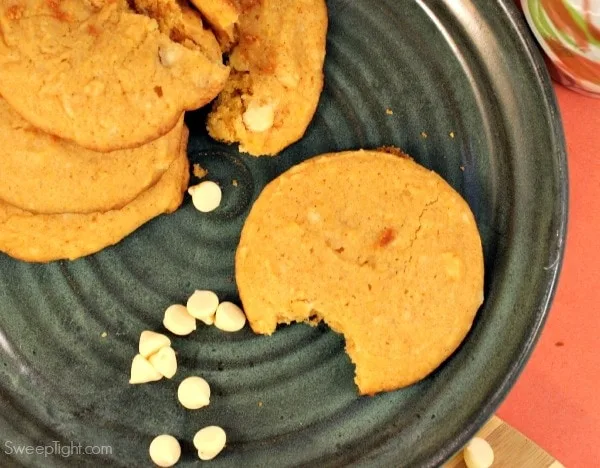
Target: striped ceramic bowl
[569, 33]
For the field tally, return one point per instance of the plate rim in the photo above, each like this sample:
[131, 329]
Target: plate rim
[561, 208]
[553, 122]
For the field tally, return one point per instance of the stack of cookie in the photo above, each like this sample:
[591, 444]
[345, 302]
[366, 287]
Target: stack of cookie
[91, 120]
[276, 51]
[92, 96]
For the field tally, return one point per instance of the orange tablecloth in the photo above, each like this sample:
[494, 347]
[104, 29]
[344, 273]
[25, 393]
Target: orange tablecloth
[556, 402]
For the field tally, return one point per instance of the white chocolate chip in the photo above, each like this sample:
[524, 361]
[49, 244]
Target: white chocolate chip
[209, 442]
[165, 362]
[66, 102]
[178, 321]
[259, 118]
[206, 196]
[165, 450]
[478, 453]
[229, 317]
[194, 393]
[314, 217]
[287, 75]
[94, 88]
[238, 61]
[203, 305]
[169, 54]
[142, 371]
[289, 80]
[151, 342]
[453, 265]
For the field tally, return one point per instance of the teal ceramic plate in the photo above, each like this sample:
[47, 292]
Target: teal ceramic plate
[471, 100]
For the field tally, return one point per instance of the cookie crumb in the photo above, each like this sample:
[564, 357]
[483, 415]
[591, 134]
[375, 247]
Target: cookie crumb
[462, 168]
[451, 134]
[199, 171]
[389, 111]
[234, 182]
[260, 403]
[423, 135]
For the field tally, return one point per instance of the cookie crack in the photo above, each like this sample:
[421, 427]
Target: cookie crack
[427, 206]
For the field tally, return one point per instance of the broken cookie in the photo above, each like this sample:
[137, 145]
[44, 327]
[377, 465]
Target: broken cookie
[277, 76]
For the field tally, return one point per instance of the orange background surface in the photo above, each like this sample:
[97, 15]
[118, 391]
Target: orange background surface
[556, 401]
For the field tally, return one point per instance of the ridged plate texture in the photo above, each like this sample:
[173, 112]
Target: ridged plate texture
[471, 100]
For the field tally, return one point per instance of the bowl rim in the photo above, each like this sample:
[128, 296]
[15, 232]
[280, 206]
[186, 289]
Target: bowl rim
[561, 208]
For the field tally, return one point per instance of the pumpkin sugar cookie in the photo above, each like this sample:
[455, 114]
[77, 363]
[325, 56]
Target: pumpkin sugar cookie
[46, 237]
[381, 249]
[277, 76]
[42, 173]
[97, 74]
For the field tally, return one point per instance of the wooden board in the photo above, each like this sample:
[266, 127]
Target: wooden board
[511, 449]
